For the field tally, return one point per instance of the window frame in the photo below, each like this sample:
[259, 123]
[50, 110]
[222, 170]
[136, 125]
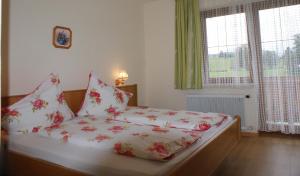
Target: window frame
[264, 5]
[217, 13]
[256, 7]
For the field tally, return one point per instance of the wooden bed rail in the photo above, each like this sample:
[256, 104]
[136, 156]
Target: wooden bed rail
[203, 162]
[74, 98]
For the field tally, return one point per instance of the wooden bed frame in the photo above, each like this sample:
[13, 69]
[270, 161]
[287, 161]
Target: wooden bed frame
[201, 162]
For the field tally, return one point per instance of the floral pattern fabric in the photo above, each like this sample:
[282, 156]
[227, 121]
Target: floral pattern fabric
[169, 118]
[43, 107]
[102, 99]
[128, 139]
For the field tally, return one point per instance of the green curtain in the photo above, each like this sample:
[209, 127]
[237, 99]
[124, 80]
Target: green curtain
[189, 55]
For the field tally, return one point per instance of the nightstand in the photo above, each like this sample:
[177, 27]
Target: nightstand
[3, 134]
[132, 89]
[4, 139]
[3, 151]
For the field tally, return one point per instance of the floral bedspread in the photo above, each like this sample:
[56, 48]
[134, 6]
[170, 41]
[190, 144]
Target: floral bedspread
[168, 118]
[149, 142]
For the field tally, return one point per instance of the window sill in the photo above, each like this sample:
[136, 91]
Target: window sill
[242, 86]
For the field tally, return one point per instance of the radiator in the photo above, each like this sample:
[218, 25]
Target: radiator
[227, 104]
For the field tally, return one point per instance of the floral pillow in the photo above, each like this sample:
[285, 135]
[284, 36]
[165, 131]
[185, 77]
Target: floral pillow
[45, 106]
[102, 99]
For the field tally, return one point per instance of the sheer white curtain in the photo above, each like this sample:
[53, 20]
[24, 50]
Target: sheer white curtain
[258, 43]
[227, 54]
[277, 44]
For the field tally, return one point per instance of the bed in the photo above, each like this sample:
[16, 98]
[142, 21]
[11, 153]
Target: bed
[202, 158]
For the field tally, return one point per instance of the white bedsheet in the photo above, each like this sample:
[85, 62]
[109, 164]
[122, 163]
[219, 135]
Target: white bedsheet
[100, 161]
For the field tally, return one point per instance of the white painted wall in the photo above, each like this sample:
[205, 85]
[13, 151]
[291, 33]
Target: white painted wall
[159, 36]
[107, 37]
[211, 4]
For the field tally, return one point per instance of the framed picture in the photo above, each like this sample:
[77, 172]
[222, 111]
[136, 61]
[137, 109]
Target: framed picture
[62, 37]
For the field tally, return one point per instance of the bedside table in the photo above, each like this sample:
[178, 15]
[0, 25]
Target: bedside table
[132, 89]
[3, 151]
[4, 138]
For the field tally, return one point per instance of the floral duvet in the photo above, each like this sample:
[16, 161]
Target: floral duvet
[144, 141]
[168, 118]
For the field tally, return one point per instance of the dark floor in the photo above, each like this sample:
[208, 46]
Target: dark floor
[264, 155]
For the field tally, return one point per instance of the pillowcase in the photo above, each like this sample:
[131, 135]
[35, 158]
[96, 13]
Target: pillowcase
[43, 107]
[102, 99]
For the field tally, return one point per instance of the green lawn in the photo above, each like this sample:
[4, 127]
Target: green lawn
[221, 67]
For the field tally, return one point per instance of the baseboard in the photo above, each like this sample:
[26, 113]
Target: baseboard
[248, 134]
[278, 134]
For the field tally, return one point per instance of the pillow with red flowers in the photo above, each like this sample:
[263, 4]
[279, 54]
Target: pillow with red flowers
[102, 99]
[43, 107]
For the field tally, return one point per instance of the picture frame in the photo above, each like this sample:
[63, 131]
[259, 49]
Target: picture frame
[62, 37]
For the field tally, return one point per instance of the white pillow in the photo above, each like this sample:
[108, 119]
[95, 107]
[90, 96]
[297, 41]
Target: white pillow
[102, 99]
[43, 107]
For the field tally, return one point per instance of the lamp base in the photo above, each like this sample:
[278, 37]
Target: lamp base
[119, 82]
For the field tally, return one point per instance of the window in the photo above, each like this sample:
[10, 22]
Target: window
[227, 58]
[280, 57]
[227, 52]
[259, 40]
[281, 47]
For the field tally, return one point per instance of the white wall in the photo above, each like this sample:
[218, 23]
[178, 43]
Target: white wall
[107, 37]
[211, 4]
[159, 36]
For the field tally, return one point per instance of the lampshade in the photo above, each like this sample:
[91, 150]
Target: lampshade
[123, 75]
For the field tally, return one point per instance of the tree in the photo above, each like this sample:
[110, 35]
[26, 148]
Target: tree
[221, 54]
[292, 57]
[242, 56]
[297, 43]
[296, 66]
[270, 58]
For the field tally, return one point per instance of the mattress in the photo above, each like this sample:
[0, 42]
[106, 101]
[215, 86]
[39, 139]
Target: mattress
[97, 161]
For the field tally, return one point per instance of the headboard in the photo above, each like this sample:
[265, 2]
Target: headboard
[74, 98]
